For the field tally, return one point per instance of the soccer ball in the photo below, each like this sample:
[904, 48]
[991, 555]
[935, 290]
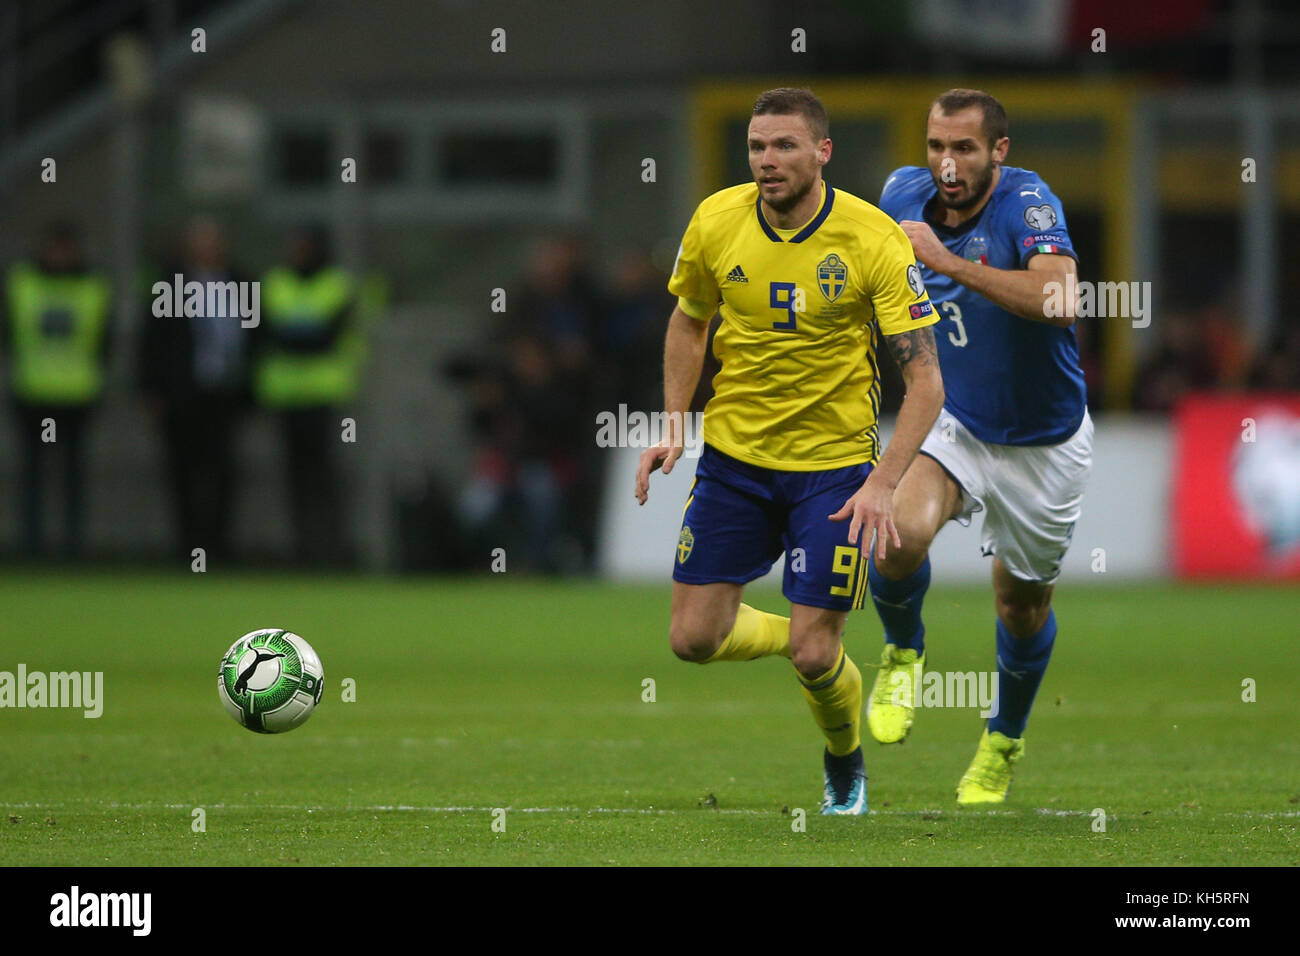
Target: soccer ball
[270, 680]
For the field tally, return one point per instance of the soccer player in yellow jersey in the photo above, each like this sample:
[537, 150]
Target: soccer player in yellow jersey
[808, 280]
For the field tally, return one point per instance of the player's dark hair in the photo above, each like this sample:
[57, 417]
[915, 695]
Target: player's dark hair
[786, 102]
[995, 117]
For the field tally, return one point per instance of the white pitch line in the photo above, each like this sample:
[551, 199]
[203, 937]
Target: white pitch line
[632, 811]
[404, 808]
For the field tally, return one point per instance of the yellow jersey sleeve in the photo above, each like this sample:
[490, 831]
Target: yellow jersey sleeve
[692, 280]
[898, 295]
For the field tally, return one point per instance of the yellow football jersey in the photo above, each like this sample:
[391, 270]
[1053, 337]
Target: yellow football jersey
[803, 311]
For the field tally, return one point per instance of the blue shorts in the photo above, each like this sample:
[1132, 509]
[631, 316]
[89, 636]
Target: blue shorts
[739, 518]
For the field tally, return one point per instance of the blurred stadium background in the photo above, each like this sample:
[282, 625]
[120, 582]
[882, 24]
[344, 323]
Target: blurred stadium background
[521, 178]
[1175, 149]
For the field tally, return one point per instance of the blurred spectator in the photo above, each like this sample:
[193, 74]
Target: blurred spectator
[56, 335]
[558, 305]
[526, 466]
[194, 376]
[1197, 348]
[631, 333]
[1087, 335]
[1180, 362]
[307, 368]
[1218, 321]
[1277, 367]
[535, 473]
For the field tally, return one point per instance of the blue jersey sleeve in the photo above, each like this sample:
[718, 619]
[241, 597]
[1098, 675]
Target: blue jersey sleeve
[1035, 221]
[886, 189]
[898, 189]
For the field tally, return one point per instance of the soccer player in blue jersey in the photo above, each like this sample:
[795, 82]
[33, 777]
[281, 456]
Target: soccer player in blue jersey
[808, 279]
[1014, 439]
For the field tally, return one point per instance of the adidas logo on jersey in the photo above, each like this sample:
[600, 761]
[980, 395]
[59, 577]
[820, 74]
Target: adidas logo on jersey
[737, 275]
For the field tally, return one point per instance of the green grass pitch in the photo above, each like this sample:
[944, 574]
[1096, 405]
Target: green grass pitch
[526, 695]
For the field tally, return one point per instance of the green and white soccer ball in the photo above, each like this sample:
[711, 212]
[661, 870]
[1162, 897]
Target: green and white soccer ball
[270, 680]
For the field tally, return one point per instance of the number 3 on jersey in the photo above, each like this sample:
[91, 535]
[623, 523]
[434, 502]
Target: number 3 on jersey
[953, 311]
[789, 298]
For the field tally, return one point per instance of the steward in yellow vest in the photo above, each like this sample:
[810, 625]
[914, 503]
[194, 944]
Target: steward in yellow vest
[55, 337]
[309, 352]
[57, 333]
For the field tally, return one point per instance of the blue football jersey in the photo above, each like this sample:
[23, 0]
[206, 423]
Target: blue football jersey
[1010, 380]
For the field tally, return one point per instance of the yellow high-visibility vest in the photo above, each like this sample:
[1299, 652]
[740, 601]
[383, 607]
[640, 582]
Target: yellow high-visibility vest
[56, 328]
[285, 379]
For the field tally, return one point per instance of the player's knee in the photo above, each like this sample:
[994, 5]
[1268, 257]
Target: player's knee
[689, 647]
[696, 641]
[1022, 618]
[812, 660]
[902, 562]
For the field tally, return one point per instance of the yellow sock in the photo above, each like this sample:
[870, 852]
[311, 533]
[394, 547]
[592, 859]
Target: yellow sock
[836, 702]
[755, 634]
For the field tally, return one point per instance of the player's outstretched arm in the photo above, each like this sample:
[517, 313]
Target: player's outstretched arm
[872, 506]
[684, 348]
[1026, 292]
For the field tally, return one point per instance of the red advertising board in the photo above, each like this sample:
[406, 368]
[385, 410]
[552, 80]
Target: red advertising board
[1236, 501]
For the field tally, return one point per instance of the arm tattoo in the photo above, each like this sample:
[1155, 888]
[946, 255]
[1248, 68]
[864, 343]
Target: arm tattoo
[916, 347]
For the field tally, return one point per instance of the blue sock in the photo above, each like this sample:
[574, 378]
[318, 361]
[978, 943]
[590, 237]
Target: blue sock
[1021, 665]
[899, 605]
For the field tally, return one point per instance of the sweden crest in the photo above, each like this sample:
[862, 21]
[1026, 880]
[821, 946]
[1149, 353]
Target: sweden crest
[685, 542]
[832, 277]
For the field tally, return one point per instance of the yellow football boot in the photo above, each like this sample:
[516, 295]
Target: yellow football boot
[989, 775]
[892, 701]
